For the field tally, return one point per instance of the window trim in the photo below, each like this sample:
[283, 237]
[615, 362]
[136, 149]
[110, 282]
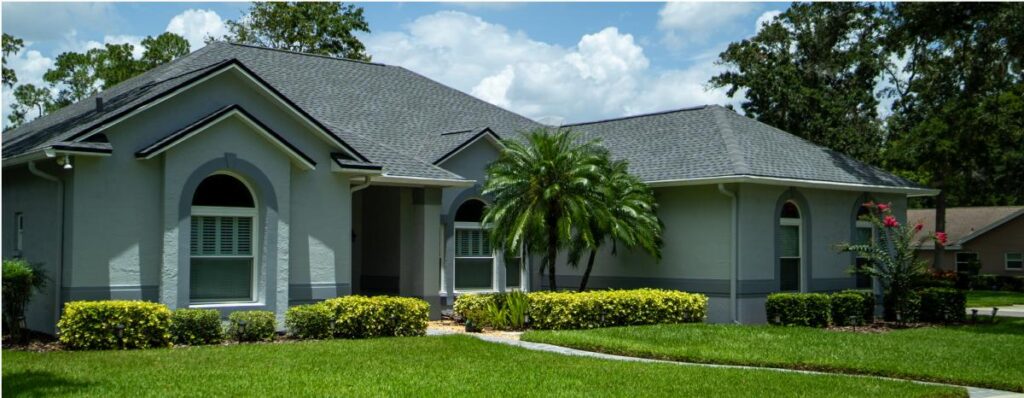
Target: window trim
[798, 223]
[475, 226]
[218, 211]
[857, 226]
[1006, 261]
[19, 232]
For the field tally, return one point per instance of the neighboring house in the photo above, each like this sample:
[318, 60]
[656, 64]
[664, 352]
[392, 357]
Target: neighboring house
[992, 236]
[246, 178]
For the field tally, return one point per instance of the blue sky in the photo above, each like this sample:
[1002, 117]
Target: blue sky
[550, 61]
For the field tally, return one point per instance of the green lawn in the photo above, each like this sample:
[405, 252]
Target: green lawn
[984, 355]
[983, 298]
[418, 366]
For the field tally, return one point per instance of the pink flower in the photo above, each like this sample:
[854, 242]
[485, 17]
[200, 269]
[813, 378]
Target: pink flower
[917, 228]
[884, 207]
[869, 204]
[941, 238]
[891, 222]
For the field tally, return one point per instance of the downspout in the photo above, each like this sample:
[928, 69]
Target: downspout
[366, 184]
[58, 278]
[734, 260]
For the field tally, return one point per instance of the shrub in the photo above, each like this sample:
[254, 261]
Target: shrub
[19, 280]
[378, 316]
[94, 325]
[909, 310]
[593, 309]
[311, 321]
[1010, 283]
[196, 326]
[508, 310]
[799, 309]
[251, 325]
[473, 307]
[868, 296]
[847, 309]
[984, 282]
[943, 305]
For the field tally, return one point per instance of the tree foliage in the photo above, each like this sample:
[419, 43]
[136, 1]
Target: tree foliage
[813, 72]
[11, 46]
[545, 193]
[309, 27]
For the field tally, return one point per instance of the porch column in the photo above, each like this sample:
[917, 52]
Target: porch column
[420, 274]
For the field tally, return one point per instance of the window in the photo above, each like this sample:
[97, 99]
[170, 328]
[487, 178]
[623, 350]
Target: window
[19, 232]
[474, 259]
[864, 231]
[967, 262]
[223, 239]
[1014, 261]
[790, 249]
[514, 271]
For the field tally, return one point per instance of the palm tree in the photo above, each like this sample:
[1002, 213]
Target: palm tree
[630, 219]
[544, 190]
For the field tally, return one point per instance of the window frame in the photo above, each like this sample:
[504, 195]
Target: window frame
[956, 259]
[798, 223]
[857, 226]
[19, 232]
[1006, 261]
[219, 211]
[475, 226]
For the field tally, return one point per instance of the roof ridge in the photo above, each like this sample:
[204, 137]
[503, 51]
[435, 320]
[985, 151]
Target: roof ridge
[298, 53]
[692, 108]
[732, 144]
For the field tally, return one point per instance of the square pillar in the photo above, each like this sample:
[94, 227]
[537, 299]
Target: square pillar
[420, 273]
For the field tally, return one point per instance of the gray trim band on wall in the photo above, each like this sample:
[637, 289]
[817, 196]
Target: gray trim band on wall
[122, 292]
[304, 293]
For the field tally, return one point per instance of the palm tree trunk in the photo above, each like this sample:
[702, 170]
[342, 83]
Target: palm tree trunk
[590, 266]
[552, 222]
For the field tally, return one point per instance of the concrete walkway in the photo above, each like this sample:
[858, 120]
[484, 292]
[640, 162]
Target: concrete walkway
[974, 392]
[1013, 311]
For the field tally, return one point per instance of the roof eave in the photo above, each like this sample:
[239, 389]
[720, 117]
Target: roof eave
[793, 182]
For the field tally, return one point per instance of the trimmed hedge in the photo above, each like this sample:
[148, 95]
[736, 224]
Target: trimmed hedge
[378, 316]
[911, 310]
[868, 297]
[473, 307]
[259, 326]
[594, 309]
[310, 321]
[798, 309]
[196, 326]
[93, 325]
[847, 309]
[943, 305]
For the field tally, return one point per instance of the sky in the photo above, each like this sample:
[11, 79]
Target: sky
[553, 62]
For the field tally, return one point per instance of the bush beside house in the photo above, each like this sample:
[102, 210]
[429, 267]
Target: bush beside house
[97, 325]
[251, 325]
[196, 326]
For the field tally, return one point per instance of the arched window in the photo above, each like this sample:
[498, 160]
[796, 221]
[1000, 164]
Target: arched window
[223, 242]
[790, 247]
[863, 233]
[474, 258]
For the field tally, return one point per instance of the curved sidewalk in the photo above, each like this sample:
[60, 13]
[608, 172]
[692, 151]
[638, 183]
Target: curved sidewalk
[974, 392]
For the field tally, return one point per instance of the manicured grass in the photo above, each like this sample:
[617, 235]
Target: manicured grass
[417, 366]
[982, 355]
[984, 298]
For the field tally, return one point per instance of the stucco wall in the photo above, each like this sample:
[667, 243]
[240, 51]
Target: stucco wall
[128, 230]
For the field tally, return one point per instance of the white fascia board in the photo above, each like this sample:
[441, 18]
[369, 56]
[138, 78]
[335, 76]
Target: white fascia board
[792, 182]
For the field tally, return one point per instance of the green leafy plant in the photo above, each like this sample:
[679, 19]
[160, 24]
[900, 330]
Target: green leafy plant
[192, 326]
[20, 279]
[943, 305]
[378, 316]
[251, 326]
[799, 309]
[868, 303]
[606, 308]
[310, 321]
[508, 310]
[110, 324]
[472, 307]
[848, 309]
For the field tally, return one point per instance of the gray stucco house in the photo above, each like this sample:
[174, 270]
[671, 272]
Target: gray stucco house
[247, 178]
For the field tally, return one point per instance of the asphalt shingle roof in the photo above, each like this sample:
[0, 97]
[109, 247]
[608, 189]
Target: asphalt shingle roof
[961, 222]
[405, 122]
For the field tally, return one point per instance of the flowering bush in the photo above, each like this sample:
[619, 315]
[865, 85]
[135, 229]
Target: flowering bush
[892, 258]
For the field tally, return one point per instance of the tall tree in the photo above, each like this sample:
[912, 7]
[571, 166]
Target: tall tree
[74, 74]
[11, 46]
[28, 97]
[545, 190]
[629, 220]
[958, 114]
[813, 72]
[163, 49]
[310, 27]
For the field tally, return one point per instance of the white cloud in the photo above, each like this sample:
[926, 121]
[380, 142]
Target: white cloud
[606, 74]
[45, 21]
[687, 23]
[29, 65]
[196, 25]
[766, 18]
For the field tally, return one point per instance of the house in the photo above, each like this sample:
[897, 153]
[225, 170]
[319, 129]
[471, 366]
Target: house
[243, 178]
[991, 236]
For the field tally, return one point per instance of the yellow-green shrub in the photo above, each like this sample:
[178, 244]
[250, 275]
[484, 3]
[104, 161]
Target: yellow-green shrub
[196, 326]
[473, 307]
[799, 309]
[259, 325]
[310, 321]
[378, 316]
[594, 309]
[93, 325]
